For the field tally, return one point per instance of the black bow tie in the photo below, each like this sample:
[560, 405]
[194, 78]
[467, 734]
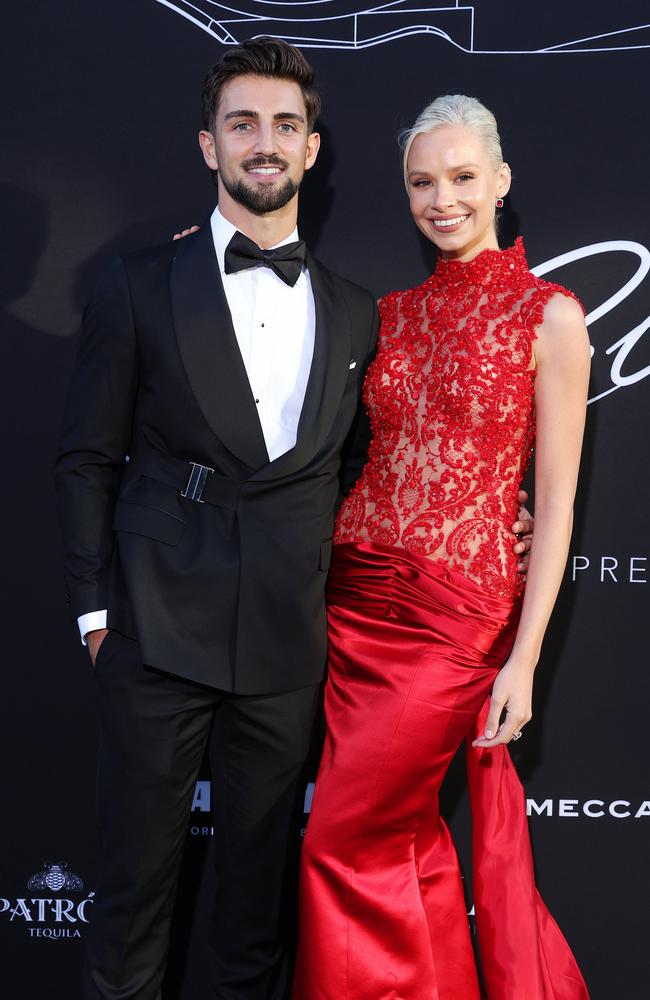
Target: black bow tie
[286, 261]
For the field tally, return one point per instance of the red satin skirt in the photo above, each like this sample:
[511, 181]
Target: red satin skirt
[414, 650]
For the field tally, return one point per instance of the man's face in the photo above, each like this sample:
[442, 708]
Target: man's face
[262, 144]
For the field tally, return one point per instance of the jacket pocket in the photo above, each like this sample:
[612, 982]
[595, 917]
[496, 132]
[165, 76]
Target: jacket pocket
[152, 522]
[325, 554]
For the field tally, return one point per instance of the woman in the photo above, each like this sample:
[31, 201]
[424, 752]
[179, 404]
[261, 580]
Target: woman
[430, 639]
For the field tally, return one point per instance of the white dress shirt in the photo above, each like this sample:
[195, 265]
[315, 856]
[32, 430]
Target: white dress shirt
[275, 326]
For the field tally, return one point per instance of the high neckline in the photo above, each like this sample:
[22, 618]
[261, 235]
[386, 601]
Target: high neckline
[511, 259]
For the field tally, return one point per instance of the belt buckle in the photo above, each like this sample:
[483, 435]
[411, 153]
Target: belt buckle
[196, 482]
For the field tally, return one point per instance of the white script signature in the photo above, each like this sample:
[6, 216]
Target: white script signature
[624, 346]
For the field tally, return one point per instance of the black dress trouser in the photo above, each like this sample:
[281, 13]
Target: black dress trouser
[154, 731]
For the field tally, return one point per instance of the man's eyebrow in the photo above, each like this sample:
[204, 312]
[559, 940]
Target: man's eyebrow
[293, 115]
[281, 115]
[244, 113]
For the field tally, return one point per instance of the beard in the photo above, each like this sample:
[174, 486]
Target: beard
[263, 198]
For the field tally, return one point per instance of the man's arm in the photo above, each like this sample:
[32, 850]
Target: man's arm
[96, 434]
[354, 453]
[92, 621]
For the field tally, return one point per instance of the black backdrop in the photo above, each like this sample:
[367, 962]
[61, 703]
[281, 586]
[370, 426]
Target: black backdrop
[100, 114]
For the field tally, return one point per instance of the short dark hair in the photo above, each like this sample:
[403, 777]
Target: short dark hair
[270, 57]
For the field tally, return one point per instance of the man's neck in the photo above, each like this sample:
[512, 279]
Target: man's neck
[266, 230]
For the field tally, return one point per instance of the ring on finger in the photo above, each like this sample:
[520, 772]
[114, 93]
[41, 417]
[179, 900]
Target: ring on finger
[517, 735]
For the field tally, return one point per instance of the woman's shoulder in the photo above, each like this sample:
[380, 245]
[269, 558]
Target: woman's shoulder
[557, 324]
[549, 302]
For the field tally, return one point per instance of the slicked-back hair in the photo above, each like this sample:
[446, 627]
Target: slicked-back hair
[268, 57]
[454, 109]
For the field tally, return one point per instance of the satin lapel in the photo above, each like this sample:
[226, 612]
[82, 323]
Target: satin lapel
[209, 349]
[327, 377]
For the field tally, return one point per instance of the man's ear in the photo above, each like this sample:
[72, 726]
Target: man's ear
[207, 144]
[313, 145]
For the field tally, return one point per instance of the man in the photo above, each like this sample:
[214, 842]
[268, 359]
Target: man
[216, 385]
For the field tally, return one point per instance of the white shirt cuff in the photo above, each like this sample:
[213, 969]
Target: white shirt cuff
[89, 622]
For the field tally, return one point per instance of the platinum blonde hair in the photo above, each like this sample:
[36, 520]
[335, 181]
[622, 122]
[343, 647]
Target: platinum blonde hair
[455, 109]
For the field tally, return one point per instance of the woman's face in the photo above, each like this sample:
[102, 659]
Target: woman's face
[453, 187]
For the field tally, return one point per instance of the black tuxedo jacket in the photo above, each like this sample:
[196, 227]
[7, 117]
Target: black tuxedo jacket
[227, 590]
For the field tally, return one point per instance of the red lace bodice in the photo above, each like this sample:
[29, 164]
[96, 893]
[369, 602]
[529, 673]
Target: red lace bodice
[450, 400]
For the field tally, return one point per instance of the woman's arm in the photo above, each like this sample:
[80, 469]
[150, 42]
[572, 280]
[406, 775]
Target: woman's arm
[562, 359]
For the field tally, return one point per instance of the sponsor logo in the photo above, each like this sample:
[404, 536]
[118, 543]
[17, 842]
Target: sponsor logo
[349, 24]
[625, 351]
[610, 568]
[55, 877]
[589, 808]
[51, 916]
[554, 808]
[202, 803]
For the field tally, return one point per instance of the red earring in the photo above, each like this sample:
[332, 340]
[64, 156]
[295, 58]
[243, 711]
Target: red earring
[499, 202]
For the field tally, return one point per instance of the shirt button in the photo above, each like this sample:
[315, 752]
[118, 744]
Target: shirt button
[261, 324]
[257, 400]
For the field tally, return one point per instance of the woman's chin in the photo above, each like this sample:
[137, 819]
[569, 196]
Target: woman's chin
[453, 243]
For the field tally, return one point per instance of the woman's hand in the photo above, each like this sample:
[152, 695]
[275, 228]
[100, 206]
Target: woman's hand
[512, 691]
[186, 232]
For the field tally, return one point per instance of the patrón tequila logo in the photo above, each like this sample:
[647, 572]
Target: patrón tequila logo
[55, 877]
[50, 916]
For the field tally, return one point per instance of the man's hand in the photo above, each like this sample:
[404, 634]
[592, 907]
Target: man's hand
[186, 232]
[94, 640]
[523, 530]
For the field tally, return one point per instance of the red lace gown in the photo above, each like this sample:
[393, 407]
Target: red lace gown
[424, 601]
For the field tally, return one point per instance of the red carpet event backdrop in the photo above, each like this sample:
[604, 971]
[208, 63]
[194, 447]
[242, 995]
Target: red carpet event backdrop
[101, 112]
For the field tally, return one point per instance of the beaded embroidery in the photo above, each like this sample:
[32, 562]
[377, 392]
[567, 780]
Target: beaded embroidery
[450, 398]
